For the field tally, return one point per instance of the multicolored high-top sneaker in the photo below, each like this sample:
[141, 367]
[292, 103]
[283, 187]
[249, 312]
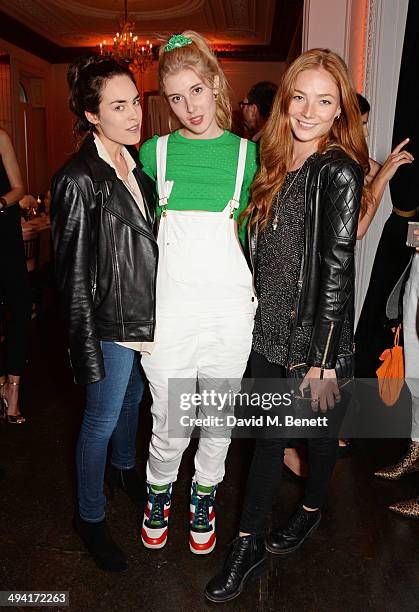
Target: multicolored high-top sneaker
[202, 538]
[156, 516]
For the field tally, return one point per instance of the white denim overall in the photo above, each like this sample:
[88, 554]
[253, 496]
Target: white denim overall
[204, 323]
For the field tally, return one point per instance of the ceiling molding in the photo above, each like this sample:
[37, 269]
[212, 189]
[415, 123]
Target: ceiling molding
[241, 16]
[238, 28]
[181, 9]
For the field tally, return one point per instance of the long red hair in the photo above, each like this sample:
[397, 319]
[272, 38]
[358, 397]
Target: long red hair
[276, 145]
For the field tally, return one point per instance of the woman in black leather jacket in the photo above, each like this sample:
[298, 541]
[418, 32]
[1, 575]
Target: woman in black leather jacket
[304, 212]
[102, 214]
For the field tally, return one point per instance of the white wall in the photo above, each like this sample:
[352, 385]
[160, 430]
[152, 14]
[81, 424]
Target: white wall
[339, 25]
[325, 25]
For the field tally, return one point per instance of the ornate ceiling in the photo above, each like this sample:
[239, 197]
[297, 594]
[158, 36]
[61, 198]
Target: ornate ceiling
[257, 24]
[72, 23]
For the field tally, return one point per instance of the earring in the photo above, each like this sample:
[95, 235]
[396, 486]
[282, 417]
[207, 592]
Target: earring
[337, 116]
[215, 94]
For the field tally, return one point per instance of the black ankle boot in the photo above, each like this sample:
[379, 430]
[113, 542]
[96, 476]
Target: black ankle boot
[99, 543]
[246, 559]
[129, 482]
[300, 526]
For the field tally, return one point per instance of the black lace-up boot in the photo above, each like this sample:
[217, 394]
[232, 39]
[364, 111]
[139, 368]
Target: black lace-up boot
[300, 526]
[246, 559]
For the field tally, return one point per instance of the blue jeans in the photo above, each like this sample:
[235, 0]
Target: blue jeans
[111, 413]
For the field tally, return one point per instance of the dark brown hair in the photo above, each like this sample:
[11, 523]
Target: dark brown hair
[262, 94]
[86, 78]
[364, 105]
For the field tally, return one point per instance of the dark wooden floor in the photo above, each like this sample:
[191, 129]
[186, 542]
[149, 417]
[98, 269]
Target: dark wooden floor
[362, 557]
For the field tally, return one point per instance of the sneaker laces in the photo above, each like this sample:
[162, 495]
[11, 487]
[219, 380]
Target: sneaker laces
[158, 502]
[201, 518]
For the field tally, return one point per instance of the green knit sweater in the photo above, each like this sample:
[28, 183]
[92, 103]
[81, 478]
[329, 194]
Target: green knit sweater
[203, 171]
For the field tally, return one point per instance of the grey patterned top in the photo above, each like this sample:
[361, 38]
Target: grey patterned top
[278, 266]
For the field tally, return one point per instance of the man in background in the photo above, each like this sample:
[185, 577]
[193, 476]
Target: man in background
[256, 108]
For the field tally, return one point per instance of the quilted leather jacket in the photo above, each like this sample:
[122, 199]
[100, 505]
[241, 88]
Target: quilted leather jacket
[333, 190]
[105, 257]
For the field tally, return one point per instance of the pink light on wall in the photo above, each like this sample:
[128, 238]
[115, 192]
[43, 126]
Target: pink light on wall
[358, 48]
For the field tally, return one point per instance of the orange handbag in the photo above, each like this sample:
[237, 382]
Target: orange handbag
[390, 374]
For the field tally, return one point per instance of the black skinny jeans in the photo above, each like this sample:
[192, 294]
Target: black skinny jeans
[266, 470]
[15, 293]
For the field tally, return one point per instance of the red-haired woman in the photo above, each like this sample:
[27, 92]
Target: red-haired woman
[304, 212]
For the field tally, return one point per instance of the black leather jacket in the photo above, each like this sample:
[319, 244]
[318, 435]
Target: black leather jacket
[333, 190]
[105, 257]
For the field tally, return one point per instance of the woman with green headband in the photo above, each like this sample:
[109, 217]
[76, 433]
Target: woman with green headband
[205, 298]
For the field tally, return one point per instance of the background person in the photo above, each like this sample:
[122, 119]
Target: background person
[14, 284]
[377, 179]
[410, 507]
[374, 331]
[378, 176]
[102, 214]
[410, 462]
[256, 108]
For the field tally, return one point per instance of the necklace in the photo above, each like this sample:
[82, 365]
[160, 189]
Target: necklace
[276, 203]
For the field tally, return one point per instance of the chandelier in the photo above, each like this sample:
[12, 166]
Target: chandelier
[127, 48]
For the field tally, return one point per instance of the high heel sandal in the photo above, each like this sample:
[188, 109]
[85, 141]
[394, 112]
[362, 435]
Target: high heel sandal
[12, 419]
[3, 409]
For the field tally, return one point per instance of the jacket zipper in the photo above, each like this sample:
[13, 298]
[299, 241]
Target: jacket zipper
[117, 278]
[93, 287]
[326, 350]
[115, 265]
[94, 290]
[252, 261]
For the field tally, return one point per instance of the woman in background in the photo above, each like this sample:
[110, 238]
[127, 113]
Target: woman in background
[14, 284]
[378, 176]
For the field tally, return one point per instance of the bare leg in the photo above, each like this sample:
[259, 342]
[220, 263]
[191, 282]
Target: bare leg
[295, 462]
[10, 392]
